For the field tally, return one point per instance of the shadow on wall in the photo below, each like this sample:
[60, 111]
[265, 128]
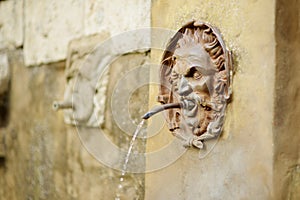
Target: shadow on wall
[2, 161]
[4, 111]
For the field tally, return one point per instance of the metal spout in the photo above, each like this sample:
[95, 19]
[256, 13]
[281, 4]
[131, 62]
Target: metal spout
[160, 108]
[61, 105]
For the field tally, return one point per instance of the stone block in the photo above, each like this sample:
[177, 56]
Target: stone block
[47, 33]
[116, 15]
[50, 25]
[11, 24]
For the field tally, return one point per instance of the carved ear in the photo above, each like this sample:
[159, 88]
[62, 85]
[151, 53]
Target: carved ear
[165, 86]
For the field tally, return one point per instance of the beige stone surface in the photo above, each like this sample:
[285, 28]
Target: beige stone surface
[116, 15]
[49, 26]
[53, 24]
[241, 164]
[44, 157]
[11, 24]
[286, 106]
[31, 139]
[122, 116]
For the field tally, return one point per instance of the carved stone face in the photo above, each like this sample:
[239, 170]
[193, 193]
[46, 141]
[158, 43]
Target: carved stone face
[192, 76]
[195, 71]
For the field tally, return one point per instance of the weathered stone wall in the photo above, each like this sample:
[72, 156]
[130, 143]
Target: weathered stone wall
[241, 164]
[54, 23]
[11, 24]
[257, 156]
[42, 157]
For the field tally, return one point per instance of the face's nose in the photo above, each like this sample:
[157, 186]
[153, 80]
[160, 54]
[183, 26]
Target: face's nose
[184, 88]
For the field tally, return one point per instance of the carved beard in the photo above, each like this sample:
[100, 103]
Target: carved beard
[196, 114]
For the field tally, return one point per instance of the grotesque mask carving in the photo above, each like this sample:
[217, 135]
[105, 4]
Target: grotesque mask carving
[196, 72]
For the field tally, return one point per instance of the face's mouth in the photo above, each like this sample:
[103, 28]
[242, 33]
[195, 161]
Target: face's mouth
[195, 112]
[190, 103]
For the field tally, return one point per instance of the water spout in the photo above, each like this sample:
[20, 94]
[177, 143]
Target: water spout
[160, 108]
[62, 105]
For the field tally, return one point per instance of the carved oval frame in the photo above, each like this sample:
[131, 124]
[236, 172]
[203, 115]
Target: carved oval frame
[222, 85]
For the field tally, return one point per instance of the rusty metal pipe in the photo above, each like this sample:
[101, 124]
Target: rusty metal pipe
[160, 108]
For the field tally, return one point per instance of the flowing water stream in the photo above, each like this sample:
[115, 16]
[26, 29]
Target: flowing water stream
[124, 167]
[120, 190]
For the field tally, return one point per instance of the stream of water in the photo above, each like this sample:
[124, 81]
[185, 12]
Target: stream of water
[124, 167]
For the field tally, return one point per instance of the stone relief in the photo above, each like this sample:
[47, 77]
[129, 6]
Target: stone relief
[84, 98]
[87, 74]
[196, 78]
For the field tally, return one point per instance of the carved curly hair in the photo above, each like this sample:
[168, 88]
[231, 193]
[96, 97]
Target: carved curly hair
[209, 41]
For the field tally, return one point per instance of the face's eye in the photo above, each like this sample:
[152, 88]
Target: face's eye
[197, 75]
[173, 58]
